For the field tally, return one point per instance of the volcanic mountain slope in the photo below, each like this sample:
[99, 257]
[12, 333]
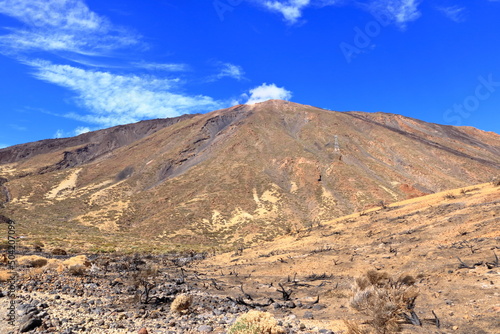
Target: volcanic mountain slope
[233, 176]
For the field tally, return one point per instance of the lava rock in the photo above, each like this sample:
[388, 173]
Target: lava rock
[308, 315]
[30, 324]
[205, 329]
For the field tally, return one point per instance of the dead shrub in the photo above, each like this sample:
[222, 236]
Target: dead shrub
[495, 181]
[256, 322]
[144, 280]
[38, 246]
[54, 264]
[79, 259]
[449, 196]
[354, 328]
[181, 303]
[77, 269]
[58, 251]
[386, 301]
[77, 265]
[34, 261]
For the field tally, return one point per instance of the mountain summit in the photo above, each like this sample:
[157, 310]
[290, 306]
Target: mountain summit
[233, 176]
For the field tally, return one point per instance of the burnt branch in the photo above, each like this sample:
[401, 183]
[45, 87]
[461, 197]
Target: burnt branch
[436, 320]
[246, 295]
[463, 265]
[285, 294]
[240, 301]
[413, 318]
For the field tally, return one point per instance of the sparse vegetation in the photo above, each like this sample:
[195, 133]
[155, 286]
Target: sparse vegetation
[256, 322]
[58, 251]
[77, 265]
[32, 261]
[38, 246]
[386, 301]
[144, 281]
[449, 196]
[495, 181]
[181, 303]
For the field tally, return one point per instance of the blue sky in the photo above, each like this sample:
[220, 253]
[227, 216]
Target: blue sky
[71, 66]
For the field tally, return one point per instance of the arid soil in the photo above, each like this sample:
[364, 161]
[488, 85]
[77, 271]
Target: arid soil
[448, 242]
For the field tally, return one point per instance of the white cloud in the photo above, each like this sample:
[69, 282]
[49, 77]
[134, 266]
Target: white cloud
[290, 9]
[60, 25]
[59, 134]
[231, 71]
[163, 67]
[3, 146]
[266, 92]
[81, 129]
[400, 11]
[454, 13]
[118, 99]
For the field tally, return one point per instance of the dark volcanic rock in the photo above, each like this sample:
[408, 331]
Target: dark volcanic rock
[30, 324]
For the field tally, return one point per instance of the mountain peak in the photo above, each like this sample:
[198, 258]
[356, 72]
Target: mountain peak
[238, 175]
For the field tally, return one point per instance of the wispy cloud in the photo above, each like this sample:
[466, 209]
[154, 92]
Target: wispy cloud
[59, 134]
[290, 9]
[3, 146]
[454, 13]
[61, 25]
[118, 99]
[71, 30]
[81, 129]
[400, 11]
[266, 92]
[163, 67]
[230, 71]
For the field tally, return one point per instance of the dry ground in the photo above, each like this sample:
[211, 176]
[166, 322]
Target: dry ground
[448, 241]
[426, 237]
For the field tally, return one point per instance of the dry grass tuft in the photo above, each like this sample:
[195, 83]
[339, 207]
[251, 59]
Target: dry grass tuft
[5, 275]
[34, 261]
[58, 251]
[181, 303]
[54, 264]
[77, 265]
[256, 322]
[387, 301]
[354, 328]
[80, 259]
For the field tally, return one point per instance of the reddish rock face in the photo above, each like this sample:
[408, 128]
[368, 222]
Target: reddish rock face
[143, 331]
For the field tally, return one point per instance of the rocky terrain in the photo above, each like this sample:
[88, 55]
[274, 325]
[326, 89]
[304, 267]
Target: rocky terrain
[231, 178]
[444, 246]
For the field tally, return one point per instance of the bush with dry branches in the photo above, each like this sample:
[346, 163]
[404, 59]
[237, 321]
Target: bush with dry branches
[144, 280]
[387, 302]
